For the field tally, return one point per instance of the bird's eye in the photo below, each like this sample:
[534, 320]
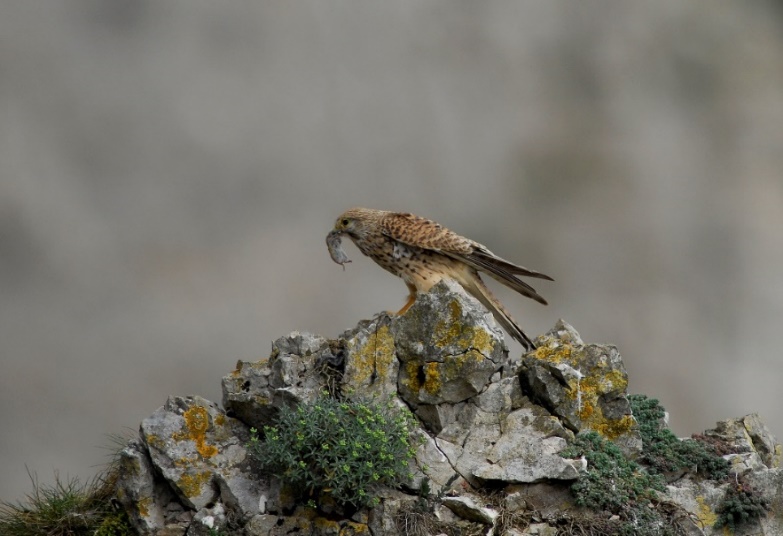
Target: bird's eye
[345, 222]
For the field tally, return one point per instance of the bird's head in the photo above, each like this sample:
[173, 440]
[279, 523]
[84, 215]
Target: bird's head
[357, 222]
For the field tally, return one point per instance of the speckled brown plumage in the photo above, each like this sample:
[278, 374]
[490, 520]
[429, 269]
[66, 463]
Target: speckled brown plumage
[422, 252]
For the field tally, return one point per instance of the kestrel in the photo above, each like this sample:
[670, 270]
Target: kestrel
[423, 252]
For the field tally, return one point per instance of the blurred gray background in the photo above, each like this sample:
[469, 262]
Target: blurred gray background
[169, 170]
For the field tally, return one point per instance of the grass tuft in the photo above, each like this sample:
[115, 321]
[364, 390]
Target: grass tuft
[70, 507]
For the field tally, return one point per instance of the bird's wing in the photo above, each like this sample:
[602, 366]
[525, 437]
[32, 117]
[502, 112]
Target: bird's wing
[422, 233]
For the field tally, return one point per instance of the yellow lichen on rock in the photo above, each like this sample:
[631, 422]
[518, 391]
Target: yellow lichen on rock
[707, 518]
[452, 331]
[411, 380]
[154, 441]
[553, 351]
[191, 484]
[326, 526]
[351, 528]
[432, 378]
[375, 356]
[196, 426]
[588, 390]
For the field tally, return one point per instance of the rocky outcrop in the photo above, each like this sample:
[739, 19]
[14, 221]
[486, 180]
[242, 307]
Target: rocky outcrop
[491, 431]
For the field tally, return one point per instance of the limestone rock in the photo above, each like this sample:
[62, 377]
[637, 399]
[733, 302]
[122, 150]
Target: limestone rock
[201, 454]
[521, 446]
[466, 508]
[449, 347]
[527, 450]
[584, 385]
[753, 443]
[254, 391]
[431, 464]
[143, 498]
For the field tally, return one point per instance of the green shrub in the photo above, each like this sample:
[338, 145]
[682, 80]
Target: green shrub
[663, 452]
[611, 482]
[346, 449]
[742, 504]
[616, 484]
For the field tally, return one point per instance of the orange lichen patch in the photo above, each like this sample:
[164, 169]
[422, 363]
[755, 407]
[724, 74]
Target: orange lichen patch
[143, 504]
[155, 441]
[586, 411]
[375, 356]
[326, 526]
[554, 351]
[611, 429]
[587, 390]
[453, 331]
[196, 426]
[185, 462]
[191, 484]
[355, 529]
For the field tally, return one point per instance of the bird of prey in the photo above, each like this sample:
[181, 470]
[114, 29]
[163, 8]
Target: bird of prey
[423, 252]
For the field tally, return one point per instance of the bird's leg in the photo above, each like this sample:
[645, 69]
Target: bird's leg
[411, 300]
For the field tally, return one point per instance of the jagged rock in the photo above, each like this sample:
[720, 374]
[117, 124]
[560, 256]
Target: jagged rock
[756, 458]
[449, 346]
[256, 390]
[143, 498]
[432, 464]
[584, 385]
[753, 444]
[527, 450]
[519, 447]
[201, 454]
[699, 499]
[466, 508]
